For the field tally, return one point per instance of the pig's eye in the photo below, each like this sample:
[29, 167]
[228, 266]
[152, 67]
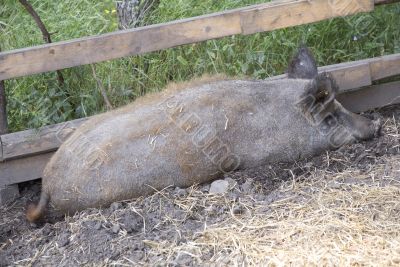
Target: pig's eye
[322, 94]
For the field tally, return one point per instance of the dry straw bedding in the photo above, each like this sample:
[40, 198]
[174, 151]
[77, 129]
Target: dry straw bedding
[339, 209]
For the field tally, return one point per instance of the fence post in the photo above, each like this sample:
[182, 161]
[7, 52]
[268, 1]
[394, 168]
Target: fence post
[3, 108]
[7, 192]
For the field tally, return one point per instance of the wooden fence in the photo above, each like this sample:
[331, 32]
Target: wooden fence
[257, 18]
[24, 154]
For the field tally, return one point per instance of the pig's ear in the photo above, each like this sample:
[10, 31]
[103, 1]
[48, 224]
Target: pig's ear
[319, 97]
[326, 88]
[323, 88]
[302, 65]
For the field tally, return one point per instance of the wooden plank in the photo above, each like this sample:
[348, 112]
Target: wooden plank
[263, 17]
[371, 97]
[118, 44]
[385, 66]
[300, 12]
[380, 67]
[31, 167]
[31, 142]
[367, 98]
[24, 169]
[349, 76]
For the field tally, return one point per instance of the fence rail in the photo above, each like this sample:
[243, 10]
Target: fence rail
[257, 18]
[24, 154]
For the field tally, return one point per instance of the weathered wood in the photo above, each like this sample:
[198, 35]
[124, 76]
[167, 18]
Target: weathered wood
[36, 141]
[367, 98]
[371, 97]
[349, 76]
[299, 12]
[262, 17]
[22, 152]
[3, 108]
[385, 66]
[24, 169]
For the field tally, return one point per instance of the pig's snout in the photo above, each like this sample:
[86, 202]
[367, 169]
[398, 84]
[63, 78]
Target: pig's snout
[362, 127]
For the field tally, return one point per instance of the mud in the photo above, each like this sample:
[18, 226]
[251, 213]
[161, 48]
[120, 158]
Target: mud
[153, 230]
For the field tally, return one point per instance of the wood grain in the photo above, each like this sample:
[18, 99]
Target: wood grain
[355, 74]
[349, 76]
[24, 169]
[292, 13]
[24, 154]
[371, 97]
[87, 50]
[37, 141]
[375, 96]
[385, 66]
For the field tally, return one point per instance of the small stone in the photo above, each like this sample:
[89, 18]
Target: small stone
[232, 183]
[184, 260]
[63, 240]
[115, 255]
[247, 186]
[115, 229]
[237, 210]
[97, 226]
[205, 188]
[138, 246]
[219, 187]
[46, 229]
[137, 255]
[180, 192]
[115, 206]
[131, 223]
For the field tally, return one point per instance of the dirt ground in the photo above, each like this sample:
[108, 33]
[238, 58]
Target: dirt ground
[340, 208]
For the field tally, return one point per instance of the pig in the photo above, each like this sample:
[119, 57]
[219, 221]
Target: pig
[194, 132]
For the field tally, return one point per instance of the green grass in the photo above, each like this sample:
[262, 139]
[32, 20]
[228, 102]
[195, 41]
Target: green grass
[37, 100]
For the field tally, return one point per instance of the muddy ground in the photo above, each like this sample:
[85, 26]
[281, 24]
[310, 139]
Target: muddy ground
[340, 208]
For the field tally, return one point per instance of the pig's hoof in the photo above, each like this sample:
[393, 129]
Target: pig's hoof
[377, 123]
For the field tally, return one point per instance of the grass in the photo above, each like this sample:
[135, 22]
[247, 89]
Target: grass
[38, 100]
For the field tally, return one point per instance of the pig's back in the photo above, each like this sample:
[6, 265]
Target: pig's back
[179, 139]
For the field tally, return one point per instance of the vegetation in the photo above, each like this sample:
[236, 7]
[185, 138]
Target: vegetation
[38, 100]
